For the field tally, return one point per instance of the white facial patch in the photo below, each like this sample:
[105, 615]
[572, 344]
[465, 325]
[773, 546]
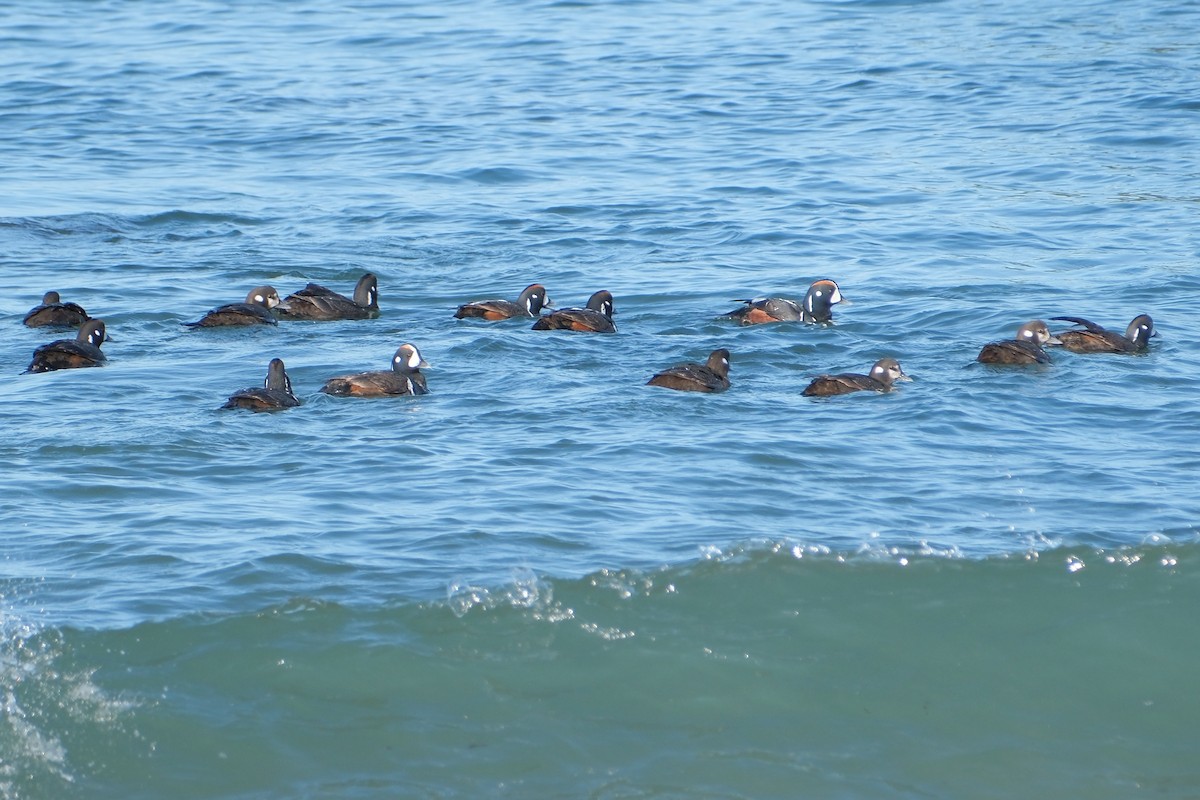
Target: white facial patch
[414, 359]
[258, 298]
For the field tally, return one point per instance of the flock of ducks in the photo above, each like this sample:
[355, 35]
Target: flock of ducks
[263, 306]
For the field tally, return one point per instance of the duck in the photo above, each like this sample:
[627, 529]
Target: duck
[1095, 339]
[255, 311]
[82, 351]
[596, 317]
[273, 395]
[1026, 348]
[711, 376]
[315, 302]
[54, 313]
[528, 304]
[403, 378]
[817, 306]
[883, 374]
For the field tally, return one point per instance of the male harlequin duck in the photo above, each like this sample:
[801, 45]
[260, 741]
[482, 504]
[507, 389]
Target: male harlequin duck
[55, 313]
[884, 373]
[531, 301]
[316, 302]
[712, 376]
[1025, 349]
[274, 394]
[596, 317]
[1094, 339]
[255, 311]
[82, 351]
[817, 306]
[403, 378]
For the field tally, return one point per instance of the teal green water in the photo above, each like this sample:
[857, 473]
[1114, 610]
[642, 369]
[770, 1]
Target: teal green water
[762, 672]
[543, 578]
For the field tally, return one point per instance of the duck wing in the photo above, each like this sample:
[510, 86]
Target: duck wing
[1013, 351]
[575, 319]
[845, 383]
[1088, 324]
[690, 377]
[369, 384]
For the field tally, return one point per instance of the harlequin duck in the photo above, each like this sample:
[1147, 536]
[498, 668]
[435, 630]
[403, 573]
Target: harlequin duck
[531, 301]
[1025, 349]
[55, 313]
[1094, 339]
[275, 393]
[596, 317]
[712, 376]
[403, 378]
[82, 351]
[884, 373]
[318, 303]
[255, 311]
[817, 306]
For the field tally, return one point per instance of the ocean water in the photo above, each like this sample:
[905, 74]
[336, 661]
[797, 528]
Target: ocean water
[544, 578]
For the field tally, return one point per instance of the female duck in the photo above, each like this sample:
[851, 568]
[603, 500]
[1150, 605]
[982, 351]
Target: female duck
[1026, 348]
[82, 351]
[255, 311]
[55, 313]
[884, 373]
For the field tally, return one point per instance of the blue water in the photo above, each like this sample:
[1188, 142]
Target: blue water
[545, 579]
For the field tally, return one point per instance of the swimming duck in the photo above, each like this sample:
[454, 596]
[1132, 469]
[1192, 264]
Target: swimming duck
[318, 303]
[1095, 339]
[817, 306]
[55, 313]
[82, 351]
[403, 378]
[274, 394]
[596, 317]
[884, 373]
[712, 376]
[531, 301]
[1026, 348]
[255, 311]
